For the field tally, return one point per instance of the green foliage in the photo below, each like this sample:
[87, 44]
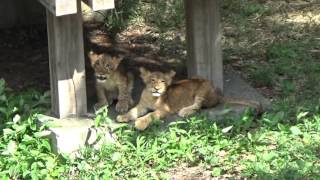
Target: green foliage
[263, 77]
[165, 15]
[171, 14]
[118, 18]
[25, 153]
[269, 148]
[245, 8]
[249, 9]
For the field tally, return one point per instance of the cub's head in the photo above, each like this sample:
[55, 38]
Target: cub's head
[103, 65]
[156, 82]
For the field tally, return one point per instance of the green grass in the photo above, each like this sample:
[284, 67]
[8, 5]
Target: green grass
[279, 145]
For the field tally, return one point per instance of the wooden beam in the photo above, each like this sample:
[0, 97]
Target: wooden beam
[60, 7]
[203, 40]
[96, 5]
[67, 69]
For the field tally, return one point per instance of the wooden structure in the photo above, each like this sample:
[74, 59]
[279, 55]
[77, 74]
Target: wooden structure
[66, 54]
[203, 40]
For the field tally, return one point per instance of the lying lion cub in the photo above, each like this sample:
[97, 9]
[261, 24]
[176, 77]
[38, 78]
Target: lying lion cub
[184, 97]
[113, 81]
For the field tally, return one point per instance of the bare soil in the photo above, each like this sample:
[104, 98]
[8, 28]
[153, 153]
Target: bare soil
[24, 58]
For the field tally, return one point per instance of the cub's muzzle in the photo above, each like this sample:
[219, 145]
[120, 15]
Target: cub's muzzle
[101, 77]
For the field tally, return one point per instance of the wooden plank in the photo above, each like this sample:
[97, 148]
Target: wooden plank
[67, 69]
[96, 5]
[60, 7]
[203, 40]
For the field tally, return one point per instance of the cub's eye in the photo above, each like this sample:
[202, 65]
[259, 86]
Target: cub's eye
[153, 80]
[163, 81]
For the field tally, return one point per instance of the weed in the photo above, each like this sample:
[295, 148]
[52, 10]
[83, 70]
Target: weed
[171, 13]
[249, 9]
[263, 77]
[118, 18]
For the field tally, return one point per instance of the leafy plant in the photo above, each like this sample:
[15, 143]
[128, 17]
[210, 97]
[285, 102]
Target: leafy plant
[170, 11]
[249, 9]
[118, 18]
[263, 77]
[25, 153]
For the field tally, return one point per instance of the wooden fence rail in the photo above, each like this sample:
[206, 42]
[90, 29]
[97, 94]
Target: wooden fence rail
[66, 7]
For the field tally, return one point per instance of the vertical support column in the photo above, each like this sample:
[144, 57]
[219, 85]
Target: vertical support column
[67, 69]
[203, 40]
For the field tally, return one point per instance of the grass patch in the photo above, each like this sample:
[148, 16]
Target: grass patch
[263, 77]
[277, 146]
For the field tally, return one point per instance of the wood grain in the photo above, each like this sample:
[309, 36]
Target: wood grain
[203, 40]
[96, 5]
[60, 7]
[67, 70]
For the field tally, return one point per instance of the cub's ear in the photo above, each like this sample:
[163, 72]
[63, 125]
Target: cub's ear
[92, 55]
[120, 57]
[144, 71]
[144, 74]
[172, 73]
[116, 61]
[93, 58]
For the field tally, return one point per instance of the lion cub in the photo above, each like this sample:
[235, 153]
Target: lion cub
[113, 81]
[184, 97]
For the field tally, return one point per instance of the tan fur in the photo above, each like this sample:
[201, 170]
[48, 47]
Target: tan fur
[184, 97]
[113, 81]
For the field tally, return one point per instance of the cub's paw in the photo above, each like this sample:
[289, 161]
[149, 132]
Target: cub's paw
[131, 102]
[185, 112]
[122, 106]
[99, 105]
[123, 118]
[142, 123]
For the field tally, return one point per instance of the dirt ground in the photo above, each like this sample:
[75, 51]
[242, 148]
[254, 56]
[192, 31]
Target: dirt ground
[24, 58]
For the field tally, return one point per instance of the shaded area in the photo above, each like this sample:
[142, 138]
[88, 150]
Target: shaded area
[24, 57]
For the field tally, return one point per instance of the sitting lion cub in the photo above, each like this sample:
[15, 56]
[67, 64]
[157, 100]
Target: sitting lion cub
[112, 81]
[184, 97]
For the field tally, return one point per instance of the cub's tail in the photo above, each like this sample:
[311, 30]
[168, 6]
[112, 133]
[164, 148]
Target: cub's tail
[241, 101]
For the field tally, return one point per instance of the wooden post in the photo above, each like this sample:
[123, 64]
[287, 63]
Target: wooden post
[203, 40]
[67, 70]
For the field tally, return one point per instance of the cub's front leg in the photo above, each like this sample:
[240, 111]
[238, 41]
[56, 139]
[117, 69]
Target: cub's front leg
[189, 110]
[143, 122]
[101, 95]
[124, 97]
[133, 114]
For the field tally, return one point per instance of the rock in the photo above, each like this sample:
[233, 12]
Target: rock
[70, 134]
